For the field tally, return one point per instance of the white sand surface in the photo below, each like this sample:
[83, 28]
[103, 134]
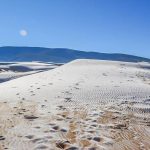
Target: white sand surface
[12, 70]
[90, 94]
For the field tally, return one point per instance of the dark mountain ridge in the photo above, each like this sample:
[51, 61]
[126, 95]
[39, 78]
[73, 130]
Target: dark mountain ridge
[60, 55]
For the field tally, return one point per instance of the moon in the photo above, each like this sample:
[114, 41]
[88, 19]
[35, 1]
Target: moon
[23, 32]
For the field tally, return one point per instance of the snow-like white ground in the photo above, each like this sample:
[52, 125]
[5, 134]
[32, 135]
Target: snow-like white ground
[91, 81]
[12, 70]
[87, 83]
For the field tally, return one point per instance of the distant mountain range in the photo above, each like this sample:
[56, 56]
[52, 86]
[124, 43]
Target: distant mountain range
[60, 55]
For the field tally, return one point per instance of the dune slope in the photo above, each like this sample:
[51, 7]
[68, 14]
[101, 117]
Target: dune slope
[84, 104]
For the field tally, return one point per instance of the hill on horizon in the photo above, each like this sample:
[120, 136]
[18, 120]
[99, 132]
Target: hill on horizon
[60, 55]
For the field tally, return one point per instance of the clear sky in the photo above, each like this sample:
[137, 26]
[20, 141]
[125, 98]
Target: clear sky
[112, 26]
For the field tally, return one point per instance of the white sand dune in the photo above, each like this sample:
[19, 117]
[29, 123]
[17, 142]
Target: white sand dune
[104, 91]
[12, 70]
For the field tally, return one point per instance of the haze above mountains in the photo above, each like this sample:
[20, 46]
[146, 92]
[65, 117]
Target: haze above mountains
[60, 55]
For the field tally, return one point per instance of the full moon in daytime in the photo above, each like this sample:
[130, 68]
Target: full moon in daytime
[23, 32]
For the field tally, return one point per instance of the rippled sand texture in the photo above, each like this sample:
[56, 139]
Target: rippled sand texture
[85, 104]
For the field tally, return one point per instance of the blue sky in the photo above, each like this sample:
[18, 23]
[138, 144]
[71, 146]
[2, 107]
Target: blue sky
[112, 26]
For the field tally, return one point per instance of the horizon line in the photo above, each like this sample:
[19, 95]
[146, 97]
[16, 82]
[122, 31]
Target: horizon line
[75, 50]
